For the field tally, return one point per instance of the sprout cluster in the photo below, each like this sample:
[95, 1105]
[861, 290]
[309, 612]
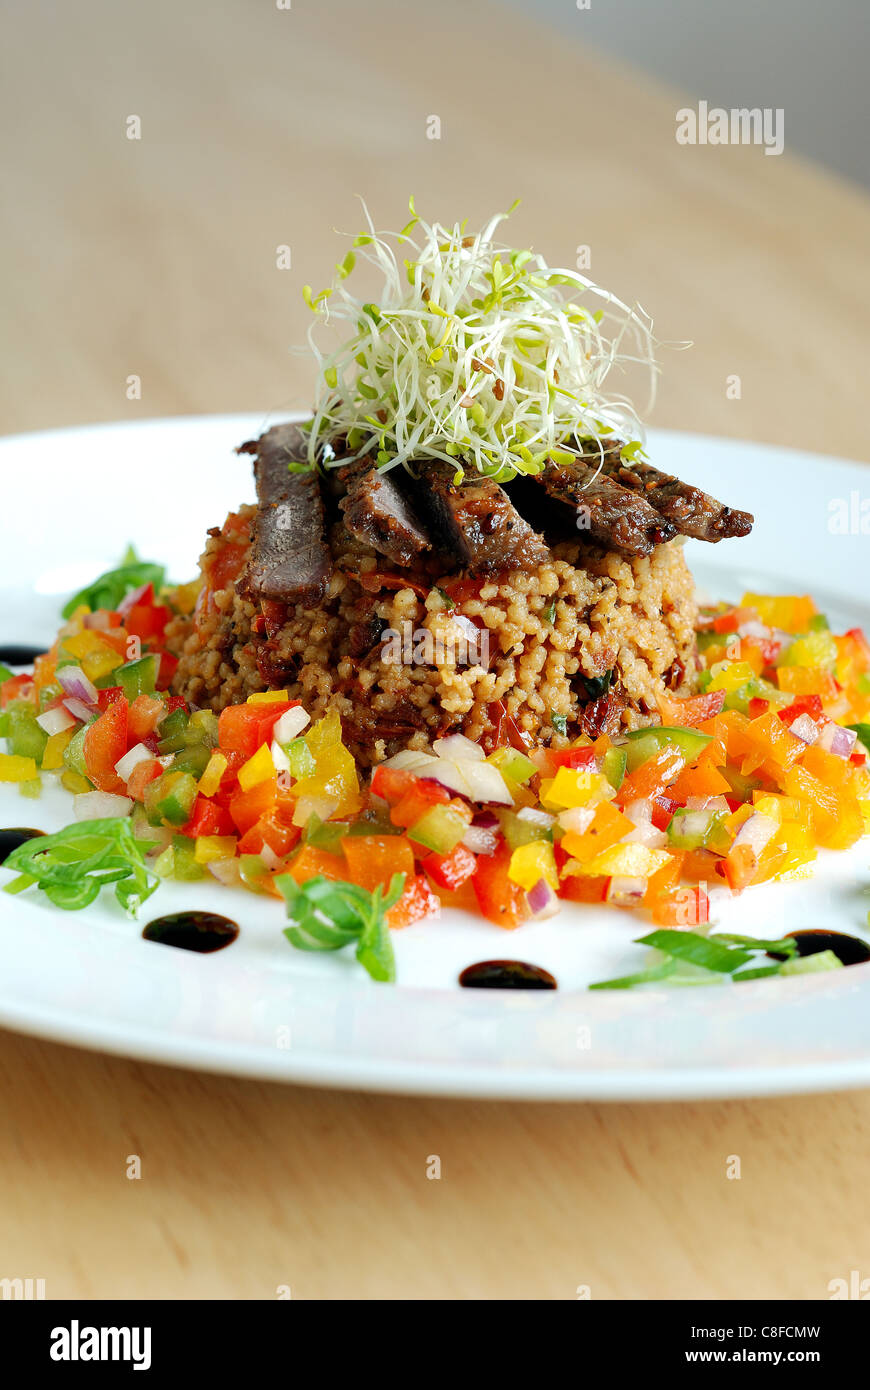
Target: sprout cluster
[476, 354]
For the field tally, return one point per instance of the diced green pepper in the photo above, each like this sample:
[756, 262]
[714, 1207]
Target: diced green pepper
[74, 753]
[440, 829]
[47, 695]
[25, 738]
[5, 674]
[327, 834]
[518, 831]
[711, 833]
[170, 798]
[194, 759]
[513, 765]
[203, 728]
[32, 790]
[138, 677]
[173, 731]
[302, 762]
[817, 649]
[185, 868]
[613, 766]
[742, 787]
[646, 743]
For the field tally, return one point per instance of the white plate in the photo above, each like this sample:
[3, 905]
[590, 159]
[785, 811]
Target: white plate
[72, 500]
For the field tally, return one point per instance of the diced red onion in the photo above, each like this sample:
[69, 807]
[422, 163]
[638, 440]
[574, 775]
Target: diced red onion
[479, 782]
[625, 891]
[487, 820]
[97, 622]
[805, 728]
[56, 721]
[79, 710]
[645, 834]
[578, 818]
[130, 601]
[756, 832]
[480, 840]
[226, 871]
[291, 724]
[101, 806]
[73, 680]
[837, 740]
[270, 858]
[140, 754]
[457, 746]
[542, 901]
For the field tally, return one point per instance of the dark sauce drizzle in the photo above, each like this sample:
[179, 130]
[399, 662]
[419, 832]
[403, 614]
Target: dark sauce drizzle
[506, 974]
[193, 931]
[15, 655]
[13, 838]
[851, 950]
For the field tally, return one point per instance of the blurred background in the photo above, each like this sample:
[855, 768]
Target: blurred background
[175, 174]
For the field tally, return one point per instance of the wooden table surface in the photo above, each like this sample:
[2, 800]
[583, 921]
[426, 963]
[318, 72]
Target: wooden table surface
[156, 257]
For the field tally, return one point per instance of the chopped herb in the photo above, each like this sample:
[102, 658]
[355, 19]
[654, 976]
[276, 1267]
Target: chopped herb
[720, 955]
[596, 686]
[111, 588]
[451, 603]
[559, 722]
[72, 866]
[549, 613]
[328, 915]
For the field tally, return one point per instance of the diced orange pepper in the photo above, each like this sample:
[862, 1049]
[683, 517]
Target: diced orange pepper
[311, 862]
[607, 827]
[689, 714]
[807, 680]
[373, 859]
[246, 808]
[651, 778]
[498, 898]
[701, 780]
[663, 880]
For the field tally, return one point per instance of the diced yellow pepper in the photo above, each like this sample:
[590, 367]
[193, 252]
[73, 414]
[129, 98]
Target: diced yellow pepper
[269, 697]
[865, 812]
[816, 649]
[258, 769]
[75, 783]
[210, 848]
[185, 596]
[737, 818]
[52, 758]
[624, 861]
[728, 675]
[779, 808]
[532, 862]
[97, 658]
[791, 612]
[211, 778]
[15, 769]
[575, 786]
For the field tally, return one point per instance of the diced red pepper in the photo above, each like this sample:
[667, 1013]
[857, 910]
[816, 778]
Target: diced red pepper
[573, 757]
[173, 703]
[105, 745]
[245, 728]
[279, 837]
[663, 808]
[168, 668]
[146, 712]
[500, 899]
[450, 871]
[14, 689]
[804, 704]
[147, 621]
[109, 696]
[652, 777]
[391, 783]
[209, 819]
[418, 901]
[757, 706]
[143, 775]
[418, 799]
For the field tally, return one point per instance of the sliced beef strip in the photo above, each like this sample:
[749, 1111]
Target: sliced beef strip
[692, 512]
[290, 560]
[378, 511]
[477, 523]
[612, 515]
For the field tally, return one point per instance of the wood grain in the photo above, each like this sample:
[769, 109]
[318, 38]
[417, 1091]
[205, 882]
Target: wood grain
[157, 257]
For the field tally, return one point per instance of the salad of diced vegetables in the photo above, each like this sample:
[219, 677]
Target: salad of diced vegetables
[739, 784]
